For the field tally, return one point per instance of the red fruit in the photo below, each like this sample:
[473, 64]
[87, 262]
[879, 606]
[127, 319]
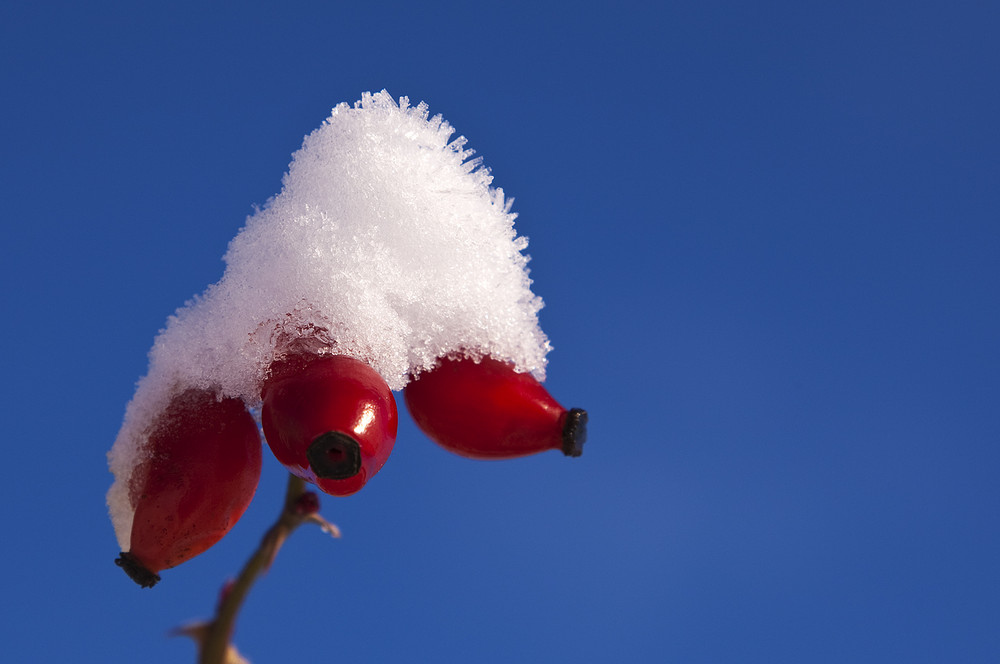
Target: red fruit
[201, 469]
[486, 410]
[331, 420]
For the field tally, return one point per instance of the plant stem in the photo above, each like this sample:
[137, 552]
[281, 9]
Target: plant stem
[220, 630]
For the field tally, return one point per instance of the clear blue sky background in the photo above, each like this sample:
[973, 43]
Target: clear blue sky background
[768, 237]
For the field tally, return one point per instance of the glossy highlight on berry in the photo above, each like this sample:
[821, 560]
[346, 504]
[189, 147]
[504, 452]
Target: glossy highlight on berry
[329, 419]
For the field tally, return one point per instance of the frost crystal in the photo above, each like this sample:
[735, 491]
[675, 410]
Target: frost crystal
[387, 243]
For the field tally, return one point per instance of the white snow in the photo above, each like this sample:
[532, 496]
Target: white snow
[387, 243]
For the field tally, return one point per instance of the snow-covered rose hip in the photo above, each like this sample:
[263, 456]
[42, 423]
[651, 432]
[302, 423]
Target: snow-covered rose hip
[197, 472]
[331, 420]
[486, 410]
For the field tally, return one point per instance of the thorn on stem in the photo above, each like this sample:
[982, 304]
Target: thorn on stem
[325, 526]
[198, 632]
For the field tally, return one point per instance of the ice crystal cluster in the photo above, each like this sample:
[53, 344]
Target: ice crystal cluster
[387, 243]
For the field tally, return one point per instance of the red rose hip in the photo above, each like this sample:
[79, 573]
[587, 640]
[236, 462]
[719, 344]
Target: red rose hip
[200, 467]
[330, 420]
[486, 410]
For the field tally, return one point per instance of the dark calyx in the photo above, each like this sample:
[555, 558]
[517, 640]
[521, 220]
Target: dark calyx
[574, 433]
[136, 570]
[334, 456]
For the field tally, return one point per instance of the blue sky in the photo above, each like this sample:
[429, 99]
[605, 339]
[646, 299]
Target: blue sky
[767, 237]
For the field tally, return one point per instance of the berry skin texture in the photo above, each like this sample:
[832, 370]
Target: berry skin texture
[330, 420]
[486, 410]
[201, 471]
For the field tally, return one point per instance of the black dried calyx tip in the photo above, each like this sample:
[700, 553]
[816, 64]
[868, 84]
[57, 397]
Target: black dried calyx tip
[136, 570]
[334, 456]
[574, 433]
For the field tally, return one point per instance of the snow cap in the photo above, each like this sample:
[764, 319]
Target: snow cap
[387, 243]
